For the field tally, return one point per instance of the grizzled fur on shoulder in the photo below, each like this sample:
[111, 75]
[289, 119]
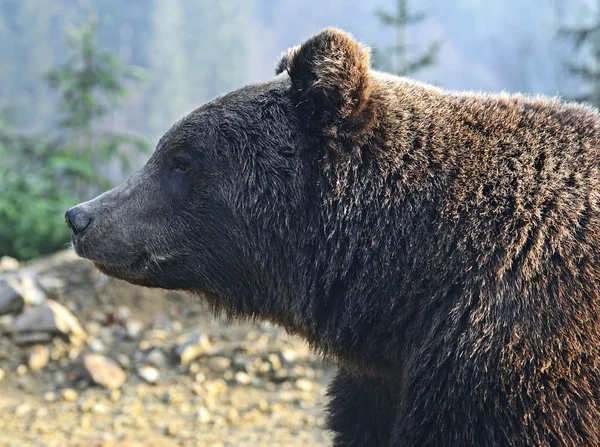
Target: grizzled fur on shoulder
[442, 247]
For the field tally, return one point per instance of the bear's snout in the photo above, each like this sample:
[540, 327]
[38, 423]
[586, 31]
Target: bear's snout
[77, 219]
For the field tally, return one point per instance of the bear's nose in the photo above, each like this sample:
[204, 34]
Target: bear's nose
[77, 220]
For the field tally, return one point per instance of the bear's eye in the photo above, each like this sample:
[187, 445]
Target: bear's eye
[181, 167]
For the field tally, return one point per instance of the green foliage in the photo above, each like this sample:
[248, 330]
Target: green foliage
[398, 58]
[39, 178]
[32, 200]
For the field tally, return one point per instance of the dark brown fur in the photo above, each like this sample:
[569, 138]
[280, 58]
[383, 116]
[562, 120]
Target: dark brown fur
[507, 351]
[442, 247]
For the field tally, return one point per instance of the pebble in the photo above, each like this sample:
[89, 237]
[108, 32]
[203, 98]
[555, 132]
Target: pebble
[2, 374]
[86, 405]
[39, 356]
[233, 415]
[202, 415]
[50, 396]
[22, 409]
[200, 377]
[50, 317]
[217, 386]
[192, 347]
[97, 346]
[149, 374]
[304, 385]
[289, 355]
[275, 361]
[219, 364]
[22, 370]
[134, 328]
[31, 290]
[8, 264]
[115, 395]
[242, 378]
[123, 360]
[156, 357]
[11, 301]
[104, 371]
[100, 408]
[93, 327]
[123, 313]
[69, 394]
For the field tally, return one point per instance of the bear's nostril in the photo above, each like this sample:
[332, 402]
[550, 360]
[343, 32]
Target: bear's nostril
[77, 220]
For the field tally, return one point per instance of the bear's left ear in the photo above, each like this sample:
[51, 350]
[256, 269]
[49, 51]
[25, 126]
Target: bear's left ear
[329, 74]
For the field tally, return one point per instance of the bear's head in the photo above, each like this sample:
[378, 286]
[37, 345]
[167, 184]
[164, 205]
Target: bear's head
[233, 202]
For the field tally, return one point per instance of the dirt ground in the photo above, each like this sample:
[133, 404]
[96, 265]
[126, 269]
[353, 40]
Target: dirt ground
[252, 385]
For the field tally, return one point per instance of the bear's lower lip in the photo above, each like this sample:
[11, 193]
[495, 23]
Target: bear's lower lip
[111, 262]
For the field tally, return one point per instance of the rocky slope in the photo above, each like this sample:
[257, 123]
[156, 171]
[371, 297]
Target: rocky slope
[86, 360]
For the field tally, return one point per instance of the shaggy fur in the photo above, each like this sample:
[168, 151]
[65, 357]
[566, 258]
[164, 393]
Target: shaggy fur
[442, 247]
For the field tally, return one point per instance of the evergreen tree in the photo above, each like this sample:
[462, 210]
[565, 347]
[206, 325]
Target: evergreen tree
[585, 65]
[90, 83]
[399, 58]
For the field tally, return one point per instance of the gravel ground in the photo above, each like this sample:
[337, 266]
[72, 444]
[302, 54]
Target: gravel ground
[90, 361]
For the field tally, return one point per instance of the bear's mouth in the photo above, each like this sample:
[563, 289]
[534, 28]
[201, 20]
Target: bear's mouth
[113, 264]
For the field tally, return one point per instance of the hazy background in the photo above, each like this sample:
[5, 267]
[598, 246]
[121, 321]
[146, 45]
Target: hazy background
[67, 133]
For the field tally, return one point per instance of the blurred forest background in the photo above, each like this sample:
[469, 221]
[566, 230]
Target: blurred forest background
[88, 87]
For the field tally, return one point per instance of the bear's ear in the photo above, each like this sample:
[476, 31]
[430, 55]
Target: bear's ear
[329, 74]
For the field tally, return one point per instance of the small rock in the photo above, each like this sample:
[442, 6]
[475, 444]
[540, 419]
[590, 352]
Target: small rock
[115, 395]
[22, 370]
[123, 313]
[217, 386]
[275, 361]
[60, 378]
[280, 376]
[93, 327]
[124, 360]
[8, 264]
[51, 317]
[2, 374]
[134, 328]
[104, 371]
[156, 358]
[173, 429]
[38, 357]
[233, 415]
[22, 409]
[219, 364]
[193, 347]
[69, 395]
[242, 378]
[97, 346]
[202, 415]
[149, 374]
[6, 321]
[304, 384]
[50, 396]
[200, 377]
[263, 406]
[31, 290]
[11, 301]
[87, 405]
[100, 408]
[52, 284]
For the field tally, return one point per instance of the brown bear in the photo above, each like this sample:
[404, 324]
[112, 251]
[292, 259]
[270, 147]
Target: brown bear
[442, 247]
